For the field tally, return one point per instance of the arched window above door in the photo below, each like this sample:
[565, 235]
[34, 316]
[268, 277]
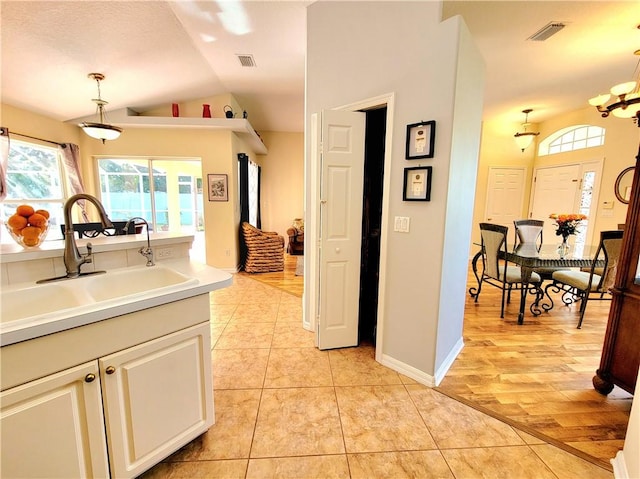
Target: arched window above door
[572, 138]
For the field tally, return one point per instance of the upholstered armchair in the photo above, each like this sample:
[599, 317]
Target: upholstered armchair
[265, 250]
[296, 238]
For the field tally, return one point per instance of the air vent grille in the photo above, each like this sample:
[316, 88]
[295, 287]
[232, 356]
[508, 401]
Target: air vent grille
[246, 60]
[547, 31]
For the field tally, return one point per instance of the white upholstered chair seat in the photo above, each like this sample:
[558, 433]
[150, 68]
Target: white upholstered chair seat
[514, 275]
[577, 279]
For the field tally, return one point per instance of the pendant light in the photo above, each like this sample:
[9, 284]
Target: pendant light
[101, 130]
[524, 139]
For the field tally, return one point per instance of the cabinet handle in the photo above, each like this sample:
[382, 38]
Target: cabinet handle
[89, 378]
[110, 370]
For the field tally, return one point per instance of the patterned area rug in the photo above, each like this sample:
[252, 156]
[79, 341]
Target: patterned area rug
[300, 266]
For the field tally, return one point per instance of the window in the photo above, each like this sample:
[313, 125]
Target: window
[572, 138]
[34, 177]
[166, 193]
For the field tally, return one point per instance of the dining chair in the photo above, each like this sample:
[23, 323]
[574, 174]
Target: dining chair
[528, 231]
[497, 271]
[593, 284]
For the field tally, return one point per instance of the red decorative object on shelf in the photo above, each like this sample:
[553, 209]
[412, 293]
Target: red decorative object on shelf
[206, 111]
[175, 110]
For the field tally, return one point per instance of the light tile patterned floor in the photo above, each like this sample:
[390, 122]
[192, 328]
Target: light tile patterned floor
[287, 410]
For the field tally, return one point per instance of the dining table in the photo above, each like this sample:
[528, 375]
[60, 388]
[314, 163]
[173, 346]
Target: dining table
[532, 257]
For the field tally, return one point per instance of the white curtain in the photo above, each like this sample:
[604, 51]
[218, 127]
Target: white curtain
[70, 155]
[4, 160]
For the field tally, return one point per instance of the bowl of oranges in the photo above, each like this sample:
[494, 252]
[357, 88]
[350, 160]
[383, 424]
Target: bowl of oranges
[27, 226]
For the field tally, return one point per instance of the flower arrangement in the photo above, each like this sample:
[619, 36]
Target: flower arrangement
[567, 224]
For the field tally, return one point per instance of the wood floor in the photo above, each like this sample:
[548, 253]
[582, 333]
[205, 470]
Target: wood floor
[536, 375]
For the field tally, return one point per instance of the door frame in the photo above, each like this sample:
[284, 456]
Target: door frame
[310, 316]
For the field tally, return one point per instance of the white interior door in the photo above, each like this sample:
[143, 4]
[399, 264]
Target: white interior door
[555, 190]
[341, 186]
[505, 195]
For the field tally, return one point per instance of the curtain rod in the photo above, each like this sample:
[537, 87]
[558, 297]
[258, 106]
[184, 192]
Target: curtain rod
[35, 138]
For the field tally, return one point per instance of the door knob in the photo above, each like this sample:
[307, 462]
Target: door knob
[110, 370]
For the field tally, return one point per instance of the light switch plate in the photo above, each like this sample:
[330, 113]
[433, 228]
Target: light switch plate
[401, 224]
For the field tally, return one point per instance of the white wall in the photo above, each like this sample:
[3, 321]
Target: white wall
[361, 50]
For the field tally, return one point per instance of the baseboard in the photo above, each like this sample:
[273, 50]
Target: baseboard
[619, 466]
[448, 362]
[409, 371]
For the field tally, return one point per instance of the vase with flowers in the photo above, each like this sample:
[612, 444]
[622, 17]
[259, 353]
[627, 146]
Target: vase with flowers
[566, 225]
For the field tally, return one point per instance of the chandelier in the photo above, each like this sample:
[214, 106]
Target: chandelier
[524, 139]
[101, 130]
[626, 102]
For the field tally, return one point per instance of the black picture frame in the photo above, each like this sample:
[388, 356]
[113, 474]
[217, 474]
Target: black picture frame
[218, 187]
[417, 183]
[420, 140]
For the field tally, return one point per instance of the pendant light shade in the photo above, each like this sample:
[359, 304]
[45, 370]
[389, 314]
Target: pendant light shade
[100, 130]
[525, 138]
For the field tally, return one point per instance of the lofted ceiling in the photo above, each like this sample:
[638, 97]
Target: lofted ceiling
[156, 52]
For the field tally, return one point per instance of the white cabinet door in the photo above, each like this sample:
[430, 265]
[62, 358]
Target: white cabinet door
[157, 397]
[54, 427]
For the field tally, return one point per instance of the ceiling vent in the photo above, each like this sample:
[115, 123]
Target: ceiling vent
[246, 60]
[547, 31]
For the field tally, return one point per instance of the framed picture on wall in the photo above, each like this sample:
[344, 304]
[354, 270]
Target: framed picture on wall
[218, 187]
[417, 184]
[420, 140]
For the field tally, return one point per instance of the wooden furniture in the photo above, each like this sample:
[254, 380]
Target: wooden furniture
[296, 241]
[265, 250]
[620, 352]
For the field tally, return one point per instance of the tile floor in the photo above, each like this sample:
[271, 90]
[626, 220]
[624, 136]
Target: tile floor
[287, 410]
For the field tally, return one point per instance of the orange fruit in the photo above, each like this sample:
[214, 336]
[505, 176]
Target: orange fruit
[17, 222]
[17, 232]
[38, 220]
[30, 235]
[25, 210]
[30, 241]
[44, 213]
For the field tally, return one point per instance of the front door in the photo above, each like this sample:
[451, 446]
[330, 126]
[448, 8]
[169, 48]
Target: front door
[341, 180]
[555, 190]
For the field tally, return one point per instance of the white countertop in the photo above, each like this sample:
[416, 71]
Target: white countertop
[12, 252]
[206, 278]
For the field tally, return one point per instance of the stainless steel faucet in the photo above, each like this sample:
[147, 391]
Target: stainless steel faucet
[73, 260]
[148, 251]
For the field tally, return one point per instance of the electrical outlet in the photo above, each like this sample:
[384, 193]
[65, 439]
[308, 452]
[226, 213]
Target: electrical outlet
[164, 253]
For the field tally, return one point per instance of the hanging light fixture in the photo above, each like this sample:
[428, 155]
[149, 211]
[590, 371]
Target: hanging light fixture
[627, 104]
[100, 131]
[524, 139]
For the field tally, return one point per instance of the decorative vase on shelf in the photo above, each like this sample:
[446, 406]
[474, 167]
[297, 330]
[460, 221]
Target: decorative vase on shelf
[175, 110]
[563, 248]
[206, 111]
